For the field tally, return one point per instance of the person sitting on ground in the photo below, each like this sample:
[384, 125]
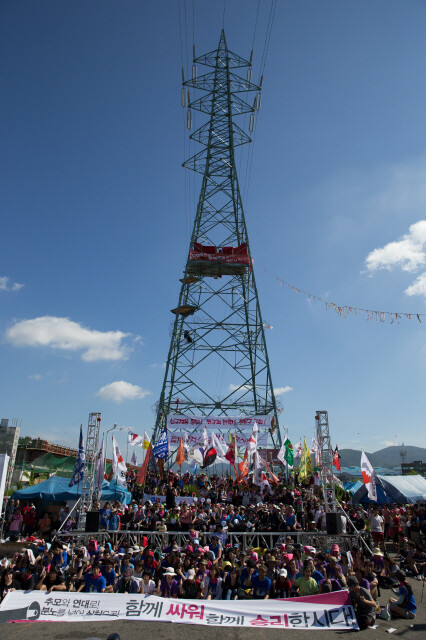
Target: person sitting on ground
[212, 584]
[52, 581]
[231, 585]
[363, 603]
[94, 580]
[190, 587]
[261, 584]
[168, 586]
[147, 584]
[282, 585]
[127, 583]
[405, 606]
[306, 584]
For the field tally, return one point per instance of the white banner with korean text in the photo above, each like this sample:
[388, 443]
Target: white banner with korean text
[192, 426]
[327, 611]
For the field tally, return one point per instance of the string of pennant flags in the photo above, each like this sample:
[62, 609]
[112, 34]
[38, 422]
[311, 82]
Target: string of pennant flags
[344, 310]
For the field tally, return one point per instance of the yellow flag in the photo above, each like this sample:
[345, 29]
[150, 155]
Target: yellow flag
[305, 468]
[146, 441]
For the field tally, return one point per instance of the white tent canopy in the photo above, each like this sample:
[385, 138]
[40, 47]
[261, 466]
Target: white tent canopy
[405, 489]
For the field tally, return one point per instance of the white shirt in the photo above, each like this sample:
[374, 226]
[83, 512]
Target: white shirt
[377, 524]
[148, 588]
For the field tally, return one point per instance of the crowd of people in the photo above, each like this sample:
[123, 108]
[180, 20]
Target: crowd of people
[206, 562]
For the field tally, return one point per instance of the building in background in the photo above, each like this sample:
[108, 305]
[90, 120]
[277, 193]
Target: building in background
[9, 437]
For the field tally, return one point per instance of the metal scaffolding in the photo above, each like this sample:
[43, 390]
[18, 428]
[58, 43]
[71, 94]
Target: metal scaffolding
[325, 461]
[88, 482]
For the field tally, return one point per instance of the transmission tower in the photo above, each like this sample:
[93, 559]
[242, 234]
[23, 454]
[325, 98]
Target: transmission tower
[218, 361]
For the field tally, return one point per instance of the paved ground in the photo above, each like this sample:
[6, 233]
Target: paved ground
[407, 629]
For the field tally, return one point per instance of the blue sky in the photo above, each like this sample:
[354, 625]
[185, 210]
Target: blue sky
[97, 210]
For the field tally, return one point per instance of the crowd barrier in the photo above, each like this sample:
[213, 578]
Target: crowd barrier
[245, 540]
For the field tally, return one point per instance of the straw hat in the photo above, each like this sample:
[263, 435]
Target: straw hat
[169, 572]
[377, 552]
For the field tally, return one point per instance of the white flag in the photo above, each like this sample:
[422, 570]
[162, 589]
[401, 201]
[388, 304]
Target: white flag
[205, 438]
[252, 441]
[369, 477]
[281, 453]
[118, 465]
[134, 439]
[100, 469]
[216, 443]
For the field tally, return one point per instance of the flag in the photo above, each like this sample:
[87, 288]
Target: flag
[298, 449]
[305, 469]
[230, 454]
[118, 465]
[196, 455]
[259, 477]
[133, 458]
[286, 453]
[146, 440]
[216, 443]
[161, 448]
[100, 468]
[252, 441]
[77, 476]
[209, 457]
[140, 478]
[243, 467]
[369, 477]
[134, 439]
[180, 455]
[205, 439]
[336, 462]
[274, 478]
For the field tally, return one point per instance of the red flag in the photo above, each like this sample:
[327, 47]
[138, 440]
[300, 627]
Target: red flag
[230, 454]
[336, 462]
[180, 455]
[243, 467]
[140, 478]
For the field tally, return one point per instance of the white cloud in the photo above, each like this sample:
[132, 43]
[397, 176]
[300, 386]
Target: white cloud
[6, 285]
[240, 387]
[408, 253]
[388, 443]
[418, 288]
[35, 376]
[121, 390]
[158, 366]
[64, 334]
[279, 391]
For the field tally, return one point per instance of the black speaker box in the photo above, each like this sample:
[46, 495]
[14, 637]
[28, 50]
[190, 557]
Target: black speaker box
[92, 521]
[334, 524]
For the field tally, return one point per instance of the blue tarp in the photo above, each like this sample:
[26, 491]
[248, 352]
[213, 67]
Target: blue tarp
[352, 487]
[56, 489]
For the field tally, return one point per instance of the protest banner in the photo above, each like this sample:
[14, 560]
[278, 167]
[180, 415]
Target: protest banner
[327, 611]
[191, 428]
[154, 498]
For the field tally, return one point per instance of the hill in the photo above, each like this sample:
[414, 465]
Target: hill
[388, 457]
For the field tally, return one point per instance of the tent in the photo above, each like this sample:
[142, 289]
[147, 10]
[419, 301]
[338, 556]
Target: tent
[405, 489]
[352, 487]
[56, 489]
[397, 489]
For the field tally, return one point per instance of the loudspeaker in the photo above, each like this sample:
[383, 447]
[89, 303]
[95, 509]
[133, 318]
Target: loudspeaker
[92, 521]
[334, 524]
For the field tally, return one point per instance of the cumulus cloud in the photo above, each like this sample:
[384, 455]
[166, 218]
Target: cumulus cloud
[66, 335]
[7, 285]
[240, 387]
[418, 288]
[408, 253]
[121, 390]
[279, 391]
[35, 376]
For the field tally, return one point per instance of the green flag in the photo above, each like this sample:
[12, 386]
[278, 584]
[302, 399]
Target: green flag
[288, 456]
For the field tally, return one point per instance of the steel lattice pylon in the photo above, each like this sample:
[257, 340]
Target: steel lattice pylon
[325, 460]
[218, 325]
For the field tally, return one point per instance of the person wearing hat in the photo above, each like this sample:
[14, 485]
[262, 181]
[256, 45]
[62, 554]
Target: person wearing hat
[363, 603]
[282, 585]
[127, 583]
[168, 586]
[190, 587]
